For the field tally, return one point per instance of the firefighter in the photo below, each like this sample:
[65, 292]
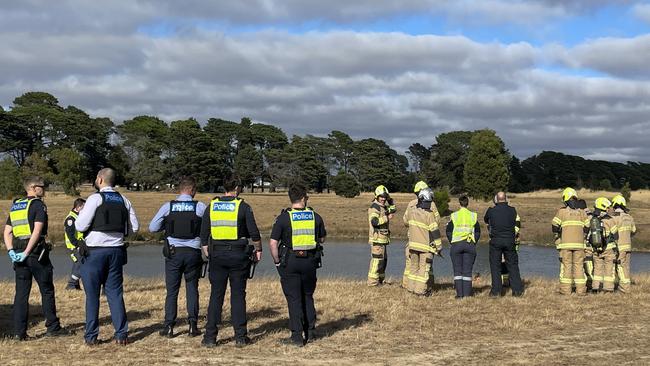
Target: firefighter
[424, 242]
[569, 226]
[603, 234]
[626, 229]
[380, 213]
[418, 187]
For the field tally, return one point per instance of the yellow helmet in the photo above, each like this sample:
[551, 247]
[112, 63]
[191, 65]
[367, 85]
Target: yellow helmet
[602, 203]
[619, 200]
[568, 193]
[381, 191]
[420, 186]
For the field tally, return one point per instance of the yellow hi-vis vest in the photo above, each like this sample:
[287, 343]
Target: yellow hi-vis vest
[303, 229]
[223, 219]
[68, 243]
[18, 215]
[464, 221]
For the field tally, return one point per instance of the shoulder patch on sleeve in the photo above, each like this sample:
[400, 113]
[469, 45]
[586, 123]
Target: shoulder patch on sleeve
[69, 222]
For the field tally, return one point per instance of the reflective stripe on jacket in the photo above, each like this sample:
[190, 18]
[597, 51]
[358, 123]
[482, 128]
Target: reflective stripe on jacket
[571, 224]
[464, 221]
[72, 215]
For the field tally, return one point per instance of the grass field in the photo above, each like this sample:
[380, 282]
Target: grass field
[360, 325]
[347, 218]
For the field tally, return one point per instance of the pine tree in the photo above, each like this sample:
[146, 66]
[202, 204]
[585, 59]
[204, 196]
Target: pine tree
[486, 170]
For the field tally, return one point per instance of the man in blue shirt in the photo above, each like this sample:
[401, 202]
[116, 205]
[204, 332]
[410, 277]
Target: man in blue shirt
[107, 217]
[181, 221]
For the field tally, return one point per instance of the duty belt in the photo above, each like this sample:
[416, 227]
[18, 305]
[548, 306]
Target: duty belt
[229, 247]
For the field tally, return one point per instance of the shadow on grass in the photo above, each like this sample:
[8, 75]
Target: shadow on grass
[132, 315]
[7, 322]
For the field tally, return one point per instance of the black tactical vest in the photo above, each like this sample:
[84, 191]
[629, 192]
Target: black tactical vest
[112, 215]
[182, 222]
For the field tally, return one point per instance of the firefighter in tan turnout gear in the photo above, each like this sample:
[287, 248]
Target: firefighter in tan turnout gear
[418, 187]
[569, 227]
[380, 213]
[626, 229]
[424, 242]
[602, 237]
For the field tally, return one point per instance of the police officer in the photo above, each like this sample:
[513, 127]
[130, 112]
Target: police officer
[107, 217]
[379, 215]
[463, 231]
[569, 226]
[295, 245]
[72, 237]
[181, 220]
[503, 225]
[24, 237]
[224, 238]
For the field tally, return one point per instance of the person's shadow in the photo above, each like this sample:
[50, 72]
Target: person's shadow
[7, 322]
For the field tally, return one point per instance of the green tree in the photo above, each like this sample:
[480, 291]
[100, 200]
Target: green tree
[419, 156]
[248, 165]
[267, 139]
[626, 192]
[68, 163]
[144, 138]
[446, 164]
[342, 150]
[519, 181]
[441, 199]
[375, 163]
[345, 185]
[486, 169]
[37, 165]
[119, 161]
[11, 185]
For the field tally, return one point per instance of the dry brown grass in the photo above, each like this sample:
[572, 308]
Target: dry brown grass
[362, 325]
[347, 218]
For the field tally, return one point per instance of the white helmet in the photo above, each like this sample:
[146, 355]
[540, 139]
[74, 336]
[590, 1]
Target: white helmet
[425, 195]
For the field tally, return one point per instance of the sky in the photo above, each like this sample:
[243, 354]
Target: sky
[563, 75]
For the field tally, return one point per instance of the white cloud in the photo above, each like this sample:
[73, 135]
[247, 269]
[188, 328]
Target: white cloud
[642, 11]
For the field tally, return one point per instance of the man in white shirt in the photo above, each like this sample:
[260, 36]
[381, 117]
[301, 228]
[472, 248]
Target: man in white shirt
[105, 220]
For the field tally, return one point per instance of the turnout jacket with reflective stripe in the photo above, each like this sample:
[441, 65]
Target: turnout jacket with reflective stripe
[423, 232]
[570, 225]
[626, 229]
[378, 232]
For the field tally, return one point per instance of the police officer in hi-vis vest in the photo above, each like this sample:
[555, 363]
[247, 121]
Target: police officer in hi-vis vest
[72, 237]
[24, 237]
[295, 245]
[107, 217]
[181, 220]
[225, 231]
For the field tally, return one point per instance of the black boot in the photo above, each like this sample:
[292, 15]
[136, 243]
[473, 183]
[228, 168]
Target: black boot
[194, 330]
[167, 331]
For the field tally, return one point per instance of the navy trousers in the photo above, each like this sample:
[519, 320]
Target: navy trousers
[298, 280]
[463, 255]
[507, 250]
[103, 266]
[233, 266]
[185, 262]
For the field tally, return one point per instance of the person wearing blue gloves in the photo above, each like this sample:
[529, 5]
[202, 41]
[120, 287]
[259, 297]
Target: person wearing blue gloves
[24, 237]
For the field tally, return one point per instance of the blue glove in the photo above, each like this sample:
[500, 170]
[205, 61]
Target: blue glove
[12, 255]
[20, 257]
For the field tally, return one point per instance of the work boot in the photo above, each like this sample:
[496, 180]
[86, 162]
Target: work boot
[243, 341]
[20, 337]
[209, 343]
[310, 335]
[92, 342]
[295, 340]
[122, 342]
[73, 286]
[58, 332]
[167, 331]
[194, 330]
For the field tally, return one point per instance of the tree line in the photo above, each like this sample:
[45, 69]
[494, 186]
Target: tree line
[66, 146]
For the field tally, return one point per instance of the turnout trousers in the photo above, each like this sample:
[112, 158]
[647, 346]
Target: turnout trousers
[623, 271]
[407, 267]
[463, 255]
[589, 267]
[499, 250]
[103, 266]
[420, 274]
[185, 262]
[298, 280]
[227, 266]
[572, 271]
[42, 272]
[378, 262]
[604, 270]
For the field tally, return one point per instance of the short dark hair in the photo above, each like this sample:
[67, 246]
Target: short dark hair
[297, 192]
[186, 183]
[108, 175]
[464, 201]
[231, 184]
[78, 203]
[33, 181]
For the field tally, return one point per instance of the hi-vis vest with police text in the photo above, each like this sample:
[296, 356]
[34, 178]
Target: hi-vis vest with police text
[303, 229]
[71, 216]
[464, 221]
[223, 219]
[18, 215]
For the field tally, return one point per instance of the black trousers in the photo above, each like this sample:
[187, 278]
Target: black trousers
[298, 280]
[507, 250]
[42, 272]
[185, 262]
[233, 266]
